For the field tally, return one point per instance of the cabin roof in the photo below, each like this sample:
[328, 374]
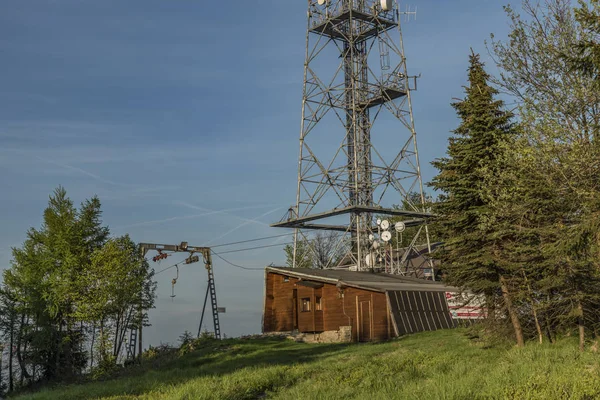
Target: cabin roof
[373, 281]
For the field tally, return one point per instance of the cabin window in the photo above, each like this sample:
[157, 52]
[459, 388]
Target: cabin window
[318, 306]
[306, 304]
[286, 278]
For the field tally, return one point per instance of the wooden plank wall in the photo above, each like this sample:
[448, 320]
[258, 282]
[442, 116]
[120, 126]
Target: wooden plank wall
[336, 310]
[278, 314]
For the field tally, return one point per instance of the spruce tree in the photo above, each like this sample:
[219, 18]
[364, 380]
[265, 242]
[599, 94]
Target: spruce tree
[587, 57]
[474, 248]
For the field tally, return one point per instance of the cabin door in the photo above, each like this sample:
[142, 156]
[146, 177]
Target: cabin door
[365, 321]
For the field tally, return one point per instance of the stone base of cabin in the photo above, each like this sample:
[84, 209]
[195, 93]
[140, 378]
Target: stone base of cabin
[343, 335]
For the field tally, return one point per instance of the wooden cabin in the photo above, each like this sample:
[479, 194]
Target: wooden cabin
[341, 305]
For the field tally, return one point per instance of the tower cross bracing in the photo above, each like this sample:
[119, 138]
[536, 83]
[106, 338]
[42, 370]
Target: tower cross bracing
[358, 158]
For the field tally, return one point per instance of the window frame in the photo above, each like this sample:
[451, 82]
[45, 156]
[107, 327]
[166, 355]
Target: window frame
[305, 304]
[318, 303]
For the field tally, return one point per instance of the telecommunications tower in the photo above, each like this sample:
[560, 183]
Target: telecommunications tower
[358, 162]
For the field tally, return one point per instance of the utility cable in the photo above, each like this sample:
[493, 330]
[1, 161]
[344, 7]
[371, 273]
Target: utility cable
[251, 240]
[237, 266]
[239, 251]
[168, 268]
[255, 248]
[264, 247]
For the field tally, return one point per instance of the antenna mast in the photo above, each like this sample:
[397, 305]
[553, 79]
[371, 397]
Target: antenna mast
[358, 149]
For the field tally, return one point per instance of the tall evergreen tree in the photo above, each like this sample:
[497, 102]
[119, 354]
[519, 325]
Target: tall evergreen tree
[473, 253]
[587, 57]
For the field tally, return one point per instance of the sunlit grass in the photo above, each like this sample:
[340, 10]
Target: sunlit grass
[434, 365]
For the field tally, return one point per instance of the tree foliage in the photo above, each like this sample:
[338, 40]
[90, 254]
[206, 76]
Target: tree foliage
[69, 283]
[556, 159]
[324, 250]
[521, 204]
[474, 256]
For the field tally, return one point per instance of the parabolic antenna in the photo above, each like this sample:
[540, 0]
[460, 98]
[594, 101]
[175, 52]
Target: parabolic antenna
[385, 224]
[386, 236]
[370, 259]
[371, 237]
[386, 5]
[321, 2]
[378, 222]
[400, 226]
[375, 245]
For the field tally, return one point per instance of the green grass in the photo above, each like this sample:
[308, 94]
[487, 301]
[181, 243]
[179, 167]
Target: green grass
[433, 365]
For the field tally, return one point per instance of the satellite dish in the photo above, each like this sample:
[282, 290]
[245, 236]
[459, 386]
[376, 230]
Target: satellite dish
[385, 224]
[386, 5]
[400, 226]
[371, 237]
[370, 259]
[321, 2]
[378, 222]
[375, 245]
[386, 236]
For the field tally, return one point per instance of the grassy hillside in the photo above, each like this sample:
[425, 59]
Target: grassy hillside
[433, 365]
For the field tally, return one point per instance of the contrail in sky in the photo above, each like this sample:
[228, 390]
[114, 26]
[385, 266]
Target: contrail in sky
[185, 217]
[188, 205]
[67, 166]
[134, 190]
[250, 221]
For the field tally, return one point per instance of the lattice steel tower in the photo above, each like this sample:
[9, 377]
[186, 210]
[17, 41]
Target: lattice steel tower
[358, 148]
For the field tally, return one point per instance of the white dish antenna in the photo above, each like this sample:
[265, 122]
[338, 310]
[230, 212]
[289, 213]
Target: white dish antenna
[400, 227]
[386, 5]
[386, 236]
[322, 2]
[371, 237]
[370, 259]
[375, 245]
[378, 222]
[385, 224]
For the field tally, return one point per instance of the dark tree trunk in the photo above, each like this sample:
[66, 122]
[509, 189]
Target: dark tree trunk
[1, 356]
[102, 341]
[117, 332]
[58, 348]
[490, 300]
[581, 326]
[23, 368]
[549, 330]
[140, 335]
[514, 318]
[125, 324]
[92, 345]
[538, 327]
[11, 385]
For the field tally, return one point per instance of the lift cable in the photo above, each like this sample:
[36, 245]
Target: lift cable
[255, 248]
[252, 240]
[238, 266]
[168, 268]
[237, 251]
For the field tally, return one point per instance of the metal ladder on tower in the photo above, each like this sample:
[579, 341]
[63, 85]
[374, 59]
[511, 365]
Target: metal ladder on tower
[213, 301]
[211, 290]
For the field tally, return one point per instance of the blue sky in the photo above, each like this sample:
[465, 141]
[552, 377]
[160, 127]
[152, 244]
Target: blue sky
[183, 117]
